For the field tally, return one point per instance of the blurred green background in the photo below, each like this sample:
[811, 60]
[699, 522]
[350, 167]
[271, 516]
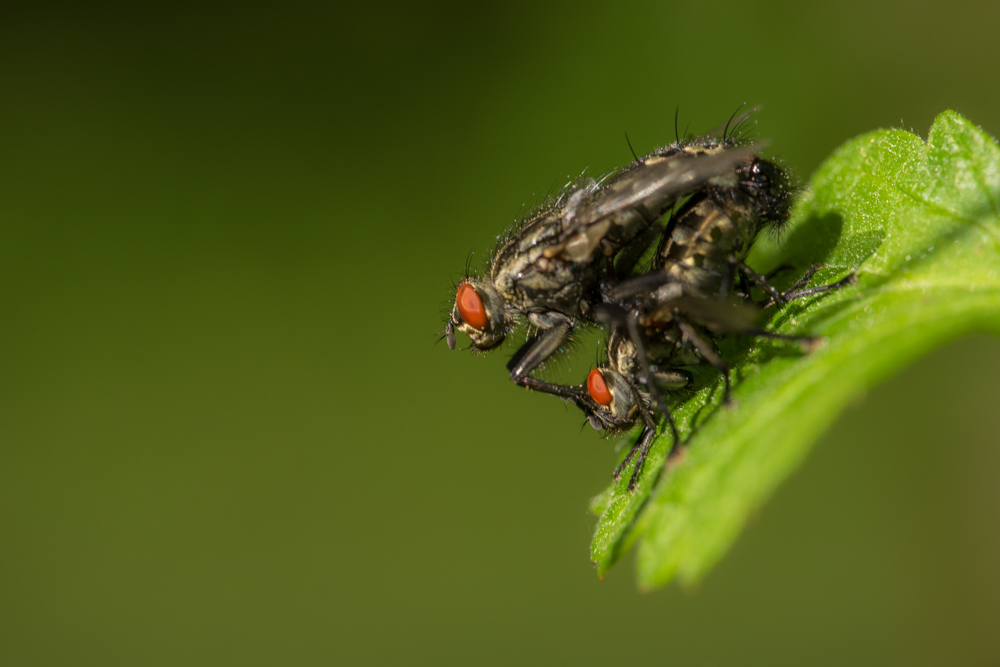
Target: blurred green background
[228, 436]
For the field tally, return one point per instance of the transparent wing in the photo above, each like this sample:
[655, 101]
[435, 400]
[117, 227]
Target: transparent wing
[718, 315]
[658, 185]
[613, 214]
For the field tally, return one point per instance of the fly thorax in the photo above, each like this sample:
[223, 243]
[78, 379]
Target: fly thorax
[622, 355]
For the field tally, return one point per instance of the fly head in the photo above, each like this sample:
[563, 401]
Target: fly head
[610, 403]
[480, 313]
[771, 190]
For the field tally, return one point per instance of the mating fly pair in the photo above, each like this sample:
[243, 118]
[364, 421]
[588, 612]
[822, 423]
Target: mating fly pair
[572, 264]
[662, 321]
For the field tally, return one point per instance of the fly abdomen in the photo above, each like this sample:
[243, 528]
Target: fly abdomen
[719, 225]
[702, 237]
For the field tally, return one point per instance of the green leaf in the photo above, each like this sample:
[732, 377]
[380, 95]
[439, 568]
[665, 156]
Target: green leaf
[920, 222]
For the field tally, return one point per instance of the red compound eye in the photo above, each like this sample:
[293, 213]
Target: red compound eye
[470, 307]
[598, 388]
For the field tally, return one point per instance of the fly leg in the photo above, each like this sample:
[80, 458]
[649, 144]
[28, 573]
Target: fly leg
[673, 379]
[569, 393]
[745, 284]
[575, 393]
[761, 281]
[795, 291]
[801, 282]
[646, 440]
[791, 295]
[647, 371]
[647, 434]
[733, 264]
[617, 317]
[543, 346]
[706, 351]
[642, 445]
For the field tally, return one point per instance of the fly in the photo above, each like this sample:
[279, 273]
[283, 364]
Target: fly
[671, 316]
[553, 268]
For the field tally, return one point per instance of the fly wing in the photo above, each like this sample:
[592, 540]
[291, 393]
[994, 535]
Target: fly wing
[616, 213]
[718, 315]
[656, 186]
